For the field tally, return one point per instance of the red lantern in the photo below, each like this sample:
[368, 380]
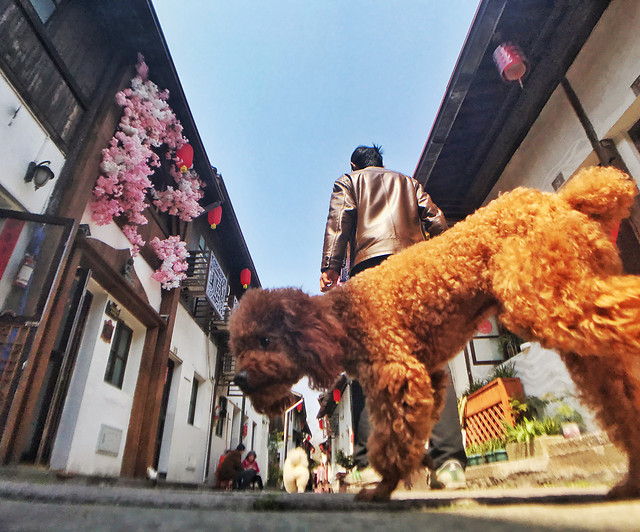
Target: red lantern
[184, 157]
[214, 216]
[614, 233]
[321, 424]
[337, 395]
[510, 62]
[245, 277]
[299, 407]
[244, 430]
[485, 327]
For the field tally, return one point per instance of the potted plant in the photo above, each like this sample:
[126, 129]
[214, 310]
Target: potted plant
[570, 420]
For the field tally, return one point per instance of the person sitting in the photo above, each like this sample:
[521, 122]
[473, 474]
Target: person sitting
[251, 471]
[230, 470]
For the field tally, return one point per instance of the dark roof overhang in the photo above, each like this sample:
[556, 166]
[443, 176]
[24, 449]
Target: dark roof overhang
[482, 120]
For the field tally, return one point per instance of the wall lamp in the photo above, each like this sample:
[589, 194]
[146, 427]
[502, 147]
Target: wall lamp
[39, 173]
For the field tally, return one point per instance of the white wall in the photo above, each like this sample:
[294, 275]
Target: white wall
[608, 64]
[22, 140]
[112, 235]
[342, 441]
[91, 402]
[183, 453]
[542, 372]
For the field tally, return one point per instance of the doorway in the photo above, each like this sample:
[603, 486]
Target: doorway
[62, 359]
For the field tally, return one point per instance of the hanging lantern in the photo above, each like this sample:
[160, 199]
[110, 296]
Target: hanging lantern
[485, 327]
[321, 424]
[299, 407]
[245, 278]
[337, 395]
[214, 216]
[184, 157]
[511, 62]
[614, 233]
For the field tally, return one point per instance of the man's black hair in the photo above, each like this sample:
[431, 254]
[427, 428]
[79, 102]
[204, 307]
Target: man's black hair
[240, 447]
[364, 156]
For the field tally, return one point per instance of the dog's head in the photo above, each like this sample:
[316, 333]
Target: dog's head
[277, 337]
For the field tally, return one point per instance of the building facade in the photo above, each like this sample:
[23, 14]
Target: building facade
[578, 105]
[121, 253]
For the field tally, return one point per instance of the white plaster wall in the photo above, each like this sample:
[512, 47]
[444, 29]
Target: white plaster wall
[608, 64]
[22, 140]
[556, 143]
[188, 443]
[91, 402]
[112, 235]
[342, 441]
[542, 372]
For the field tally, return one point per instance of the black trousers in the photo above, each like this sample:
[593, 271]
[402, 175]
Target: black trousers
[446, 437]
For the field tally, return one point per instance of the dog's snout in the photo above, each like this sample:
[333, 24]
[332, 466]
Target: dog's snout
[242, 380]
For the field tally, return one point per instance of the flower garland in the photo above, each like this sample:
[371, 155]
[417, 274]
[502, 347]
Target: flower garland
[173, 253]
[147, 122]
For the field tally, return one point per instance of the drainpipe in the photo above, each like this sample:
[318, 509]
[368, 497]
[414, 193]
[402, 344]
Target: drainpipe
[605, 149]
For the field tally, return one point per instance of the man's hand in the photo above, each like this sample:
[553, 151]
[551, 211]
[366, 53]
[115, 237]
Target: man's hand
[328, 279]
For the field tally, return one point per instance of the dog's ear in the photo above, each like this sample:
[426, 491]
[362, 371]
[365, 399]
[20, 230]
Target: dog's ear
[317, 337]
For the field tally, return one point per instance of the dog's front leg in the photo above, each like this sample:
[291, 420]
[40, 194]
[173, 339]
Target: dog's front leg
[400, 400]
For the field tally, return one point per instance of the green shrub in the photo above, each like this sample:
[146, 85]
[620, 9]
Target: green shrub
[344, 460]
[474, 386]
[503, 371]
[528, 429]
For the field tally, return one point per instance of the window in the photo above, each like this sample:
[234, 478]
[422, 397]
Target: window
[45, 8]
[222, 416]
[195, 384]
[118, 356]
[634, 133]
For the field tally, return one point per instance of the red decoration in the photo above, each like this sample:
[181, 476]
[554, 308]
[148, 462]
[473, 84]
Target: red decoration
[244, 430]
[321, 424]
[299, 407]
[485, 327]
[214, 216]
[614, 233]
[510, 62]
[184, 157]
[245, 277]
[337, 395]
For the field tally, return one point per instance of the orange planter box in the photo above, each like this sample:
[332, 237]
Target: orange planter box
[487, 408]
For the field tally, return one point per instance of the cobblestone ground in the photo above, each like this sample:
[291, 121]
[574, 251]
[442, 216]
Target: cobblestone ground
[63, 507]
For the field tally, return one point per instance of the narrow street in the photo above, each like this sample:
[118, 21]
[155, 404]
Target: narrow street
[77, 507]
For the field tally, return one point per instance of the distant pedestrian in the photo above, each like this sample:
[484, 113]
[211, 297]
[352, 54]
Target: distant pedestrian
[251, 471]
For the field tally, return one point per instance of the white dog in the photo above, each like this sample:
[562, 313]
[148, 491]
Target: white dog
[296, 471]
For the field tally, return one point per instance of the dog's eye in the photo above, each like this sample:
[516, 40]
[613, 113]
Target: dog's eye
[264, 342]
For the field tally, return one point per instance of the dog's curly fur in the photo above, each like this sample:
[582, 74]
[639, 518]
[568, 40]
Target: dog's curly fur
[544, 262]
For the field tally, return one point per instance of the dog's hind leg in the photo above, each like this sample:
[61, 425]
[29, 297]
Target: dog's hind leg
[611, 388]
[400, 399]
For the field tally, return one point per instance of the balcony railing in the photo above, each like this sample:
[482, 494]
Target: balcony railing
[205, 290]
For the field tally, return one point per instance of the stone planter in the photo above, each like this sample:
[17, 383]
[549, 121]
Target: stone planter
[501, 455]
[475, 459]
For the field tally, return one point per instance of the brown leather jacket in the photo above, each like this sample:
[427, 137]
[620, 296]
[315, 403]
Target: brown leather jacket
[378, 212]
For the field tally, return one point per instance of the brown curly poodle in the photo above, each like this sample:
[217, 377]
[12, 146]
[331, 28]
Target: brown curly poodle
[544, 262]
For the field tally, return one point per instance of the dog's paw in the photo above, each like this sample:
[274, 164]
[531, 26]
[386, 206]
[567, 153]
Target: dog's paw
[380, 493]
[627, 489]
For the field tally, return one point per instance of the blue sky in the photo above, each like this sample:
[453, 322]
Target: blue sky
[282, 91]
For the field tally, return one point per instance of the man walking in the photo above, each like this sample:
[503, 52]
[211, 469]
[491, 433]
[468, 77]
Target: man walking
[376, 213]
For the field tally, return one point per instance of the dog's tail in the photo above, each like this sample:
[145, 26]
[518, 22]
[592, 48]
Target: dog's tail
[604, 194]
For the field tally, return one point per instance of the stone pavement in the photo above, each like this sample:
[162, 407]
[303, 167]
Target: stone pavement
[73, 505]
